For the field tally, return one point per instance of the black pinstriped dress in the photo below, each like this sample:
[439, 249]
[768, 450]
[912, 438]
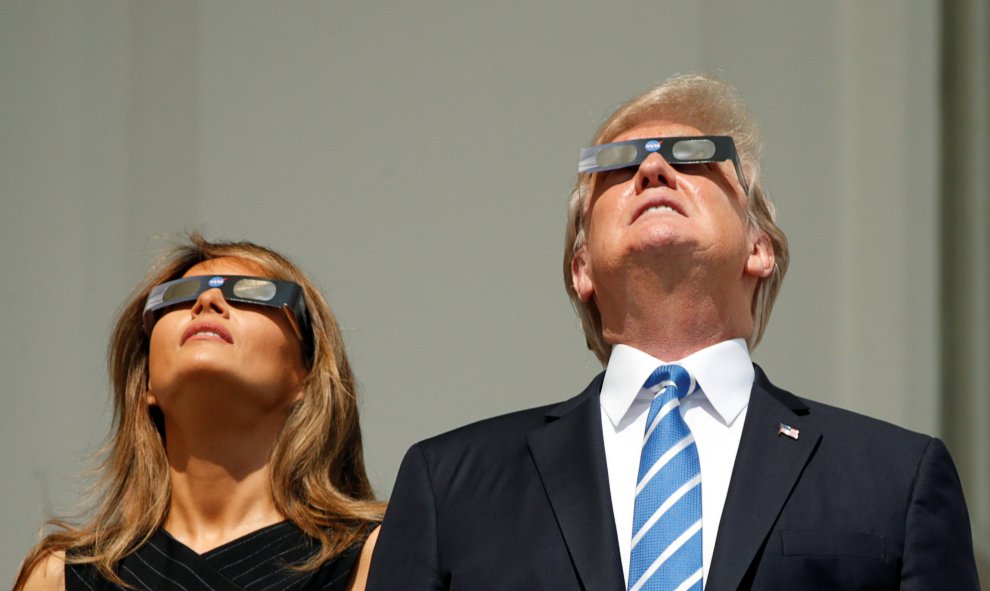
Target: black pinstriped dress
[254, 562]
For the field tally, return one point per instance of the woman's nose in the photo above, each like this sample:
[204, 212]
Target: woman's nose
[211, 301]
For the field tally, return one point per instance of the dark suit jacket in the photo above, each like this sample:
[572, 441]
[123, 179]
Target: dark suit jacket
[522, 502]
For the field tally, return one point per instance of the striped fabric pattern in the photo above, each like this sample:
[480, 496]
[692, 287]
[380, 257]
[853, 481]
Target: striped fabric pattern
[666, 552]
[259, 561]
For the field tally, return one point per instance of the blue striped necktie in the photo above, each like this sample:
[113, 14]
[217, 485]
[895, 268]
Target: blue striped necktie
[666, 543]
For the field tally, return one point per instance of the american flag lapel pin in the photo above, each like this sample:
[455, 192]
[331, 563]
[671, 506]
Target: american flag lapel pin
[788, 431]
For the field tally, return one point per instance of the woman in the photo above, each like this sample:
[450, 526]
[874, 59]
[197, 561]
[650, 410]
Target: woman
[235, 460]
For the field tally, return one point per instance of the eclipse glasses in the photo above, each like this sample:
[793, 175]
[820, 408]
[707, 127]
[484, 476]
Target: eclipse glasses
[675, 150]
[258, 291]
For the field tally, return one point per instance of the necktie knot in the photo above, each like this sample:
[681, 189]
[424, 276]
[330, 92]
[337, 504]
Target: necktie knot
[673, 377]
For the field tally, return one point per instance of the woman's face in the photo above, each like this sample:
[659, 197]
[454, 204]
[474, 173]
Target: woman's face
[211, 345]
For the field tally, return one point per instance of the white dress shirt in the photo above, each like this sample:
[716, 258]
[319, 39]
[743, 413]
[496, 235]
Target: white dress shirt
[715, 412]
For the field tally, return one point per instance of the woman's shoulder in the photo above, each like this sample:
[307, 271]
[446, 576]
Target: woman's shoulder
[359, 574]
[47, 574]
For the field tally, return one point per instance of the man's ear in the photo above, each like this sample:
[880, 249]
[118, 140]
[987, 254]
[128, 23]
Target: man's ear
[761, 256]
[581, 275]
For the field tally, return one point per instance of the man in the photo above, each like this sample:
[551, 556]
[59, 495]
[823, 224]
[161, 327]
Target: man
[676, 476]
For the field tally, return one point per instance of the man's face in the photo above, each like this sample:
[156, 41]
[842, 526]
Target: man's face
[661, 213]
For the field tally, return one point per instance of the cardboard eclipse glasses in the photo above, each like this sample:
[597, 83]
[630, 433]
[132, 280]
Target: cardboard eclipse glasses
[675, 150]
[257, 291]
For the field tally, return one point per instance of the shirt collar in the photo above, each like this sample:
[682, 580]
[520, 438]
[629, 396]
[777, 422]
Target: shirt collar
[724, 373]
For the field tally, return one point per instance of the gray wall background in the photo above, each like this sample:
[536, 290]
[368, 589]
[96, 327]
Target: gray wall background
[416, 159]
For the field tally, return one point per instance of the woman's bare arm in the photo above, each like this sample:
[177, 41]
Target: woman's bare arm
[359, 576]
[48, 574]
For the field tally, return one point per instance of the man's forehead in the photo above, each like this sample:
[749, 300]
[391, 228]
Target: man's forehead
[656, 128]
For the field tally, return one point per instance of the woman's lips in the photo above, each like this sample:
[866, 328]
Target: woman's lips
[206, 330]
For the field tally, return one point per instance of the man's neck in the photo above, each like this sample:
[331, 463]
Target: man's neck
[672, 319]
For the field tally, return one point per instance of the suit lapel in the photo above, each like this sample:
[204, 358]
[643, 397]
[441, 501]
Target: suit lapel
[569, 454]
[768, 466]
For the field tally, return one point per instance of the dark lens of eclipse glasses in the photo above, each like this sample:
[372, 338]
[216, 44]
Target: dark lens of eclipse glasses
[259, 290]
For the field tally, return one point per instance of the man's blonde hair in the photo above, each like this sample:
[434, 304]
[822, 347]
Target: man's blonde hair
[713, 107]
